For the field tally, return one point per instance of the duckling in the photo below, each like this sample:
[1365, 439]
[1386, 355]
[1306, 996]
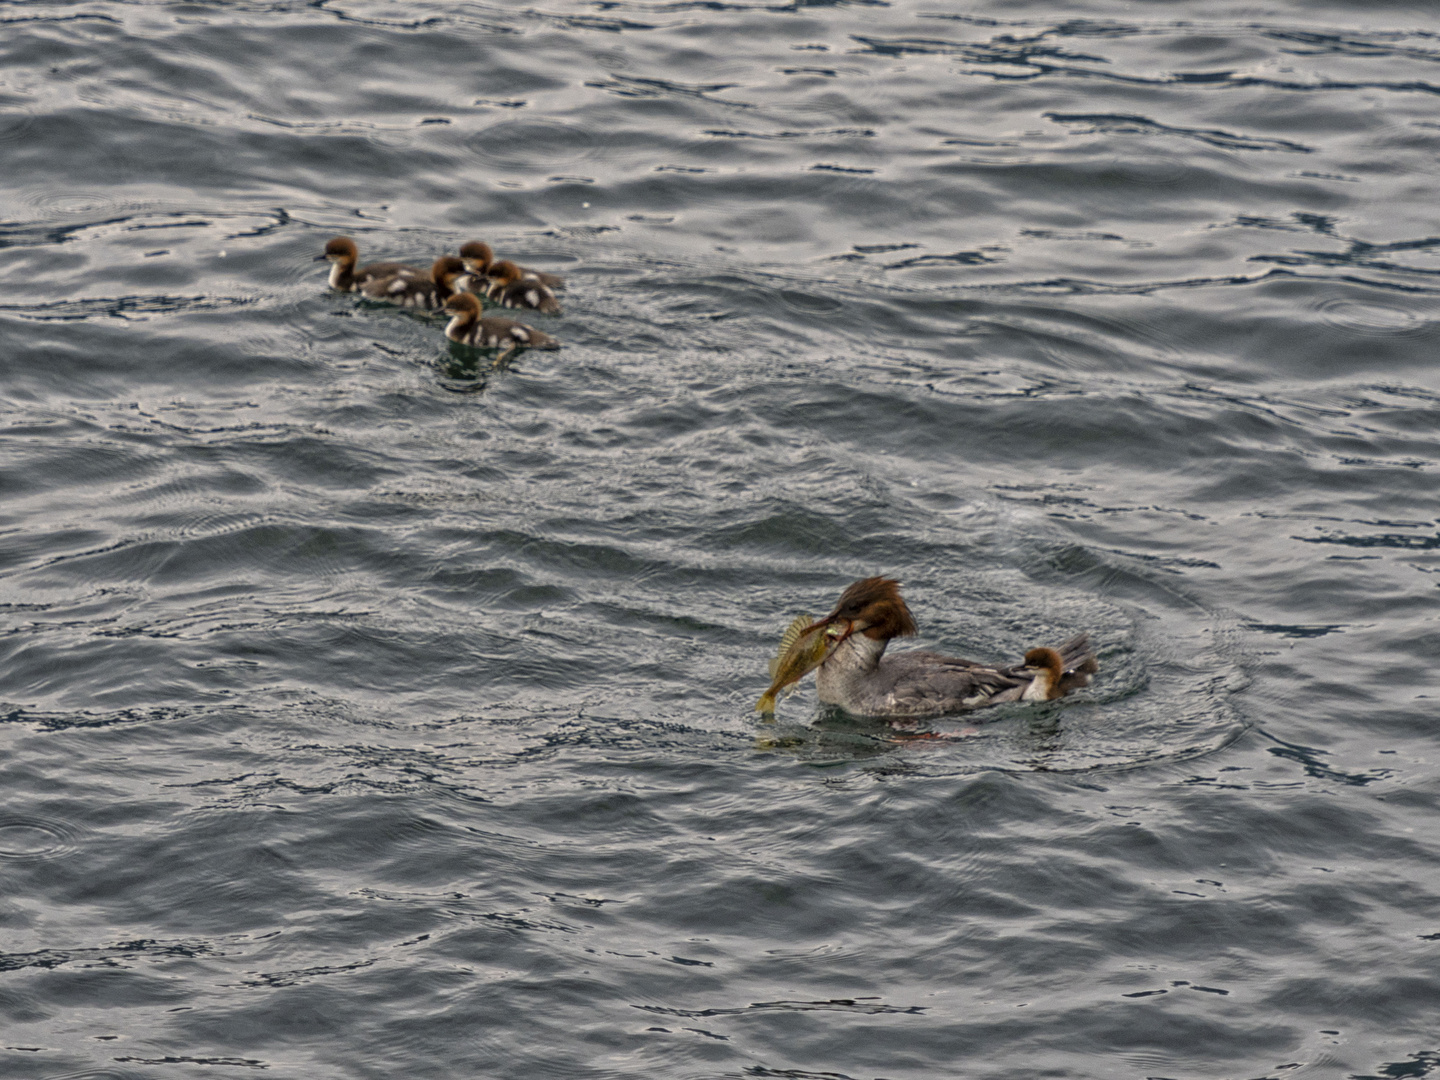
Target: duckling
[509, 287]
[491, 332]
[479, 259]
[445, 279]
[342, 254]
[1050, 678]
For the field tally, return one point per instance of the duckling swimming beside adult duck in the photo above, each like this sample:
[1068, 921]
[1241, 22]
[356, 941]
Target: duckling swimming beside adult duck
[467, 327]
[857, 675]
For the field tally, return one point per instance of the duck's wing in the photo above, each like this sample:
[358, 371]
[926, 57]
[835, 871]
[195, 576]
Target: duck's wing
[527, 293]
[1075, 654]
[402, 289]
[388, 270]
[1079, 661]
[493, 332]
[927, 683]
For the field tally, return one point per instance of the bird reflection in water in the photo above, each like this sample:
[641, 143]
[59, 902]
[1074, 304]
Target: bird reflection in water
[836, 736]
[468, 370]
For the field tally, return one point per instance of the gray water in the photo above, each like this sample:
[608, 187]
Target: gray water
[370, 713]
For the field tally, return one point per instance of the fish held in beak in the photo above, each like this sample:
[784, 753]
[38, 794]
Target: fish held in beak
[804, 646]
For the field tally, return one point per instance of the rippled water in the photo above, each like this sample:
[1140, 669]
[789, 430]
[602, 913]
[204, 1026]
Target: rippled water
[371, 713]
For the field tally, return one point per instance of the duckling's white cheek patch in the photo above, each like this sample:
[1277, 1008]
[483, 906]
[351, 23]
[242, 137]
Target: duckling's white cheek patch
[397, 286]
[519, 335]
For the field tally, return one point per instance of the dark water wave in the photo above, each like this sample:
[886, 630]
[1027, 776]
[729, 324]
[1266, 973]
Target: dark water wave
[372, 710]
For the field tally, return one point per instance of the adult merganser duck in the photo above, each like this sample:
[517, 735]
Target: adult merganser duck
[480, 259]
[491, 332]
[342, 255]
[510, 287]
[859, 678]
[407, 290]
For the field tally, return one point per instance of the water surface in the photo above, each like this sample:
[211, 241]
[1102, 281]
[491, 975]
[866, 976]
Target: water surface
[372, 713]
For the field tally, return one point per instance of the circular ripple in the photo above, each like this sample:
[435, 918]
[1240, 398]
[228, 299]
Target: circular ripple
[1368, 317]
[62, 202]
[34, 838]
[538, 144]
[1156, 171]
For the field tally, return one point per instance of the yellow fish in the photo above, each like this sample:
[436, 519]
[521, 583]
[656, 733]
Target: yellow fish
[799, 654]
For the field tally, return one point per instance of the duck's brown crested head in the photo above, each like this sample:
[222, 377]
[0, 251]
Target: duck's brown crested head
[463, 303]
[874, 607]
[447, 266]
[1045, 659]
[506, 271]
[477, 256]
[341, 249]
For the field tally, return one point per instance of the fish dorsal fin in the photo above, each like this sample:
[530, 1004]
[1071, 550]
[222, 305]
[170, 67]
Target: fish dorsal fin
[787, 639]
